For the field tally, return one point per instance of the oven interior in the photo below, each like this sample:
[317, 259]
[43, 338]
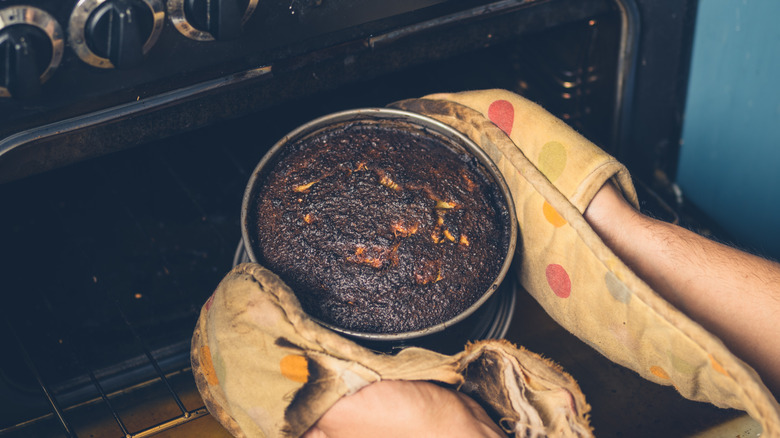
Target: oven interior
[107, 261]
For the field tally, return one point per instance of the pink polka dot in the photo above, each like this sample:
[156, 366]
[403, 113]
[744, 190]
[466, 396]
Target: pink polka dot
[558, 280]
[502, 113]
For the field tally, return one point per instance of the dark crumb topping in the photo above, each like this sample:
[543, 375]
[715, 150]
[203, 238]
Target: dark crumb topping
[379, 229]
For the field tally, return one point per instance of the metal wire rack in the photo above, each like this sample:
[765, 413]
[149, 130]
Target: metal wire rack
[60, 415]
[95, 337]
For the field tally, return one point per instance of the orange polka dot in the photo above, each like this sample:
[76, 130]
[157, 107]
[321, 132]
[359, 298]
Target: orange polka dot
[207, 366]
[552, 160]
[659, 372]
[552, 215]
[295, 368]
[717, 366]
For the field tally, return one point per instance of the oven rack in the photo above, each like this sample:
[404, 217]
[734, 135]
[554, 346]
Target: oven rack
[59, 414]
[105, 271]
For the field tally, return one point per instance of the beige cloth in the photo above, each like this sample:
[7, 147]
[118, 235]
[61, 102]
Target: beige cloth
[265, 369]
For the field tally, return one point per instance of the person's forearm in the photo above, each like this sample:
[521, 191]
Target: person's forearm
[733, 294]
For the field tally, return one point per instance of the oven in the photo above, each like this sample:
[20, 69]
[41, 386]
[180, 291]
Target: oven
[129, 129]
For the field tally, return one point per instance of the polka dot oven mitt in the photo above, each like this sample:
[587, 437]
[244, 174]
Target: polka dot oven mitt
[265, 369]
[553, 173]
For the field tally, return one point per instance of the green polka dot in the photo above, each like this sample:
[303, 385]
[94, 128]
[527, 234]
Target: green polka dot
[681, 364]
[552, 160]
[617, 289]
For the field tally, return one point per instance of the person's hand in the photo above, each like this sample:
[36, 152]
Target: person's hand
[395, 408]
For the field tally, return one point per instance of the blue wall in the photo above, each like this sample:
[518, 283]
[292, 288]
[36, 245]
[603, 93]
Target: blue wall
[730, 156]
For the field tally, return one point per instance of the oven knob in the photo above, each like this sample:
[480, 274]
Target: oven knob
[31, 46]
[208, 20]
[115, 33]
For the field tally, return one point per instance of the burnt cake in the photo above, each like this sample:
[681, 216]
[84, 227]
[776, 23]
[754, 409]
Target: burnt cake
[380, 227]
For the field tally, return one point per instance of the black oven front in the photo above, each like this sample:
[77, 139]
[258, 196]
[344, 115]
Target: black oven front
[124, 156]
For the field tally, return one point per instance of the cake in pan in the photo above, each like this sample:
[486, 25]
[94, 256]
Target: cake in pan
[381, 226]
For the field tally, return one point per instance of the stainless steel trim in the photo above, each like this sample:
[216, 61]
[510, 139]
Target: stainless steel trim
[119, 112]
[42, 20]
[626, 71]
[179, 19]
[78, 22]
[425, 123]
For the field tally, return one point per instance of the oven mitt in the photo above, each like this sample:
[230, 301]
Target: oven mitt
[265, 369]
[553, 173]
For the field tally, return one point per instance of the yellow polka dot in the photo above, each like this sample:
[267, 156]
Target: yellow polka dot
[552, 160]
[295, 368]
[207, 366]
[717, 366]
[552, 215]
[659, 372]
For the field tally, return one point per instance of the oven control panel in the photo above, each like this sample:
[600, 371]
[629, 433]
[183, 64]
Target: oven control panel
[83, 78]
[106, 34]
[65, 58]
